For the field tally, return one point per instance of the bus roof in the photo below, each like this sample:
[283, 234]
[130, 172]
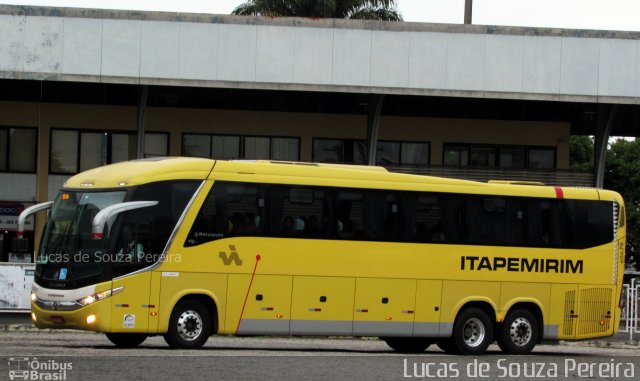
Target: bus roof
[143, 171]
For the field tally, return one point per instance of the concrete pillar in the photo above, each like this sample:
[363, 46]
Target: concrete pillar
[604, 122]
[468, 10]
[142, 106]
[373, 124]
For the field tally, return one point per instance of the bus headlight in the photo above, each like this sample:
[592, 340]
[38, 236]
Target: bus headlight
[99, 296]
[33, 297]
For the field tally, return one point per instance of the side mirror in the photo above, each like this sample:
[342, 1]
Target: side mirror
[29, 211]
[99, 221]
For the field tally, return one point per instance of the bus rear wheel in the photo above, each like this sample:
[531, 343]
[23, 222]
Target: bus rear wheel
[407, 344]
[126, 340]
[189, 325]
[472, 331]
[519, 332]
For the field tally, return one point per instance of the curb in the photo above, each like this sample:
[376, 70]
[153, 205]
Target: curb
[628, 344]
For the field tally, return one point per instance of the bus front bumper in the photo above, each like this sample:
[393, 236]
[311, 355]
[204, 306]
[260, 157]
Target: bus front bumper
[94, 317]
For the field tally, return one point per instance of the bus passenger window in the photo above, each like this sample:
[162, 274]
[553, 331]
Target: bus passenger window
[350, 214]
[230, 210]
[299, 212]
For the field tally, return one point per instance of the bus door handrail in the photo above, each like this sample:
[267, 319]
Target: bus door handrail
[97, 226]
[22, 218]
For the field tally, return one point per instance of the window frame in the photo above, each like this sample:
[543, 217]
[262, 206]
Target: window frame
[400, 143]
[497, 152]
[241, 143]
[564, 217]
[110, 133]
[8, 129]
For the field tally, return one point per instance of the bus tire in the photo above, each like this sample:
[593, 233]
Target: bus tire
[519, 332]
[472, 331]
[189, 326]
[407, 344]
[126, 340]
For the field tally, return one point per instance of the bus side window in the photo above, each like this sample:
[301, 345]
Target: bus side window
[350, 214]
[299, 212]
[210, 223]
[244, 204]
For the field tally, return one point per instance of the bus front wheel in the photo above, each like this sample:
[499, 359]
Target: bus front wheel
[519, 332]
[126, 340]
[472, 331]
[189, 325]
[407, 344]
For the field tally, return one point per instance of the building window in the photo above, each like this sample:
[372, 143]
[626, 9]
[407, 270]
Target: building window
[512, 158]
[285, 149]
[74, 151]
[456, 156]
[257, 148]
[228, 147]
[414, 153]
[498, 156]
[327, 151]
[18, 149]
[225, 147]
[351, 151]
[542, 158]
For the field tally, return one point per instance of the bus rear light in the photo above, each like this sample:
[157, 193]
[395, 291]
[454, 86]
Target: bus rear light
[97, 236]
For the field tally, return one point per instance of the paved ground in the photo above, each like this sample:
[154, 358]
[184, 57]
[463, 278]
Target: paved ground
[90, 356]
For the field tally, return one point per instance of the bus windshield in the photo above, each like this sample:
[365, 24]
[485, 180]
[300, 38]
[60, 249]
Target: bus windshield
[67, 236]
[71, 257]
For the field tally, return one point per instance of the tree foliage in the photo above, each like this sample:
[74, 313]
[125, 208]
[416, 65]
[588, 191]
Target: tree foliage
[581, 153]
[622, 174]
[349, 9]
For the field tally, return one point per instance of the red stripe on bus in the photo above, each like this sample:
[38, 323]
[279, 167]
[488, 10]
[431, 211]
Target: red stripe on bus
[559, 192]
[253, 275]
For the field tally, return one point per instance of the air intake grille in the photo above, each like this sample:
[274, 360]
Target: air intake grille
[569, 311]
[595, 311]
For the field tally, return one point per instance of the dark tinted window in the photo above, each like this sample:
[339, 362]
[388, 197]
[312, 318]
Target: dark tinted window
[300, 212]
[230, 210]
[493, 221]
[350, 213]
[241, 209]
[431, 217]
[143, 233]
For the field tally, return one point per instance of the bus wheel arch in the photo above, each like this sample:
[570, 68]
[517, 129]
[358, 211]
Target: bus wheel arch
[193, 319]
[473, 328]
[521, 329]
[126, 340]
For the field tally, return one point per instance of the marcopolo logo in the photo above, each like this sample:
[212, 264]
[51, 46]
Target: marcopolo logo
[25, 368]
[233, 257]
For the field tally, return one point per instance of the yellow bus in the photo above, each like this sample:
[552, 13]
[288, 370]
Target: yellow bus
[187, 248]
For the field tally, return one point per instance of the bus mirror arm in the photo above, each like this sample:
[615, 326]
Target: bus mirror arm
[97, 227]
[29, 211]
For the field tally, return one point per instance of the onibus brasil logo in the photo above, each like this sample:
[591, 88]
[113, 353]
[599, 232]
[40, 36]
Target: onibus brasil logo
[25, 368]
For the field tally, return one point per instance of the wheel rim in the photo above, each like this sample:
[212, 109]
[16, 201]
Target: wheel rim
[473, 332]
[520, 331]
[189, 325]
